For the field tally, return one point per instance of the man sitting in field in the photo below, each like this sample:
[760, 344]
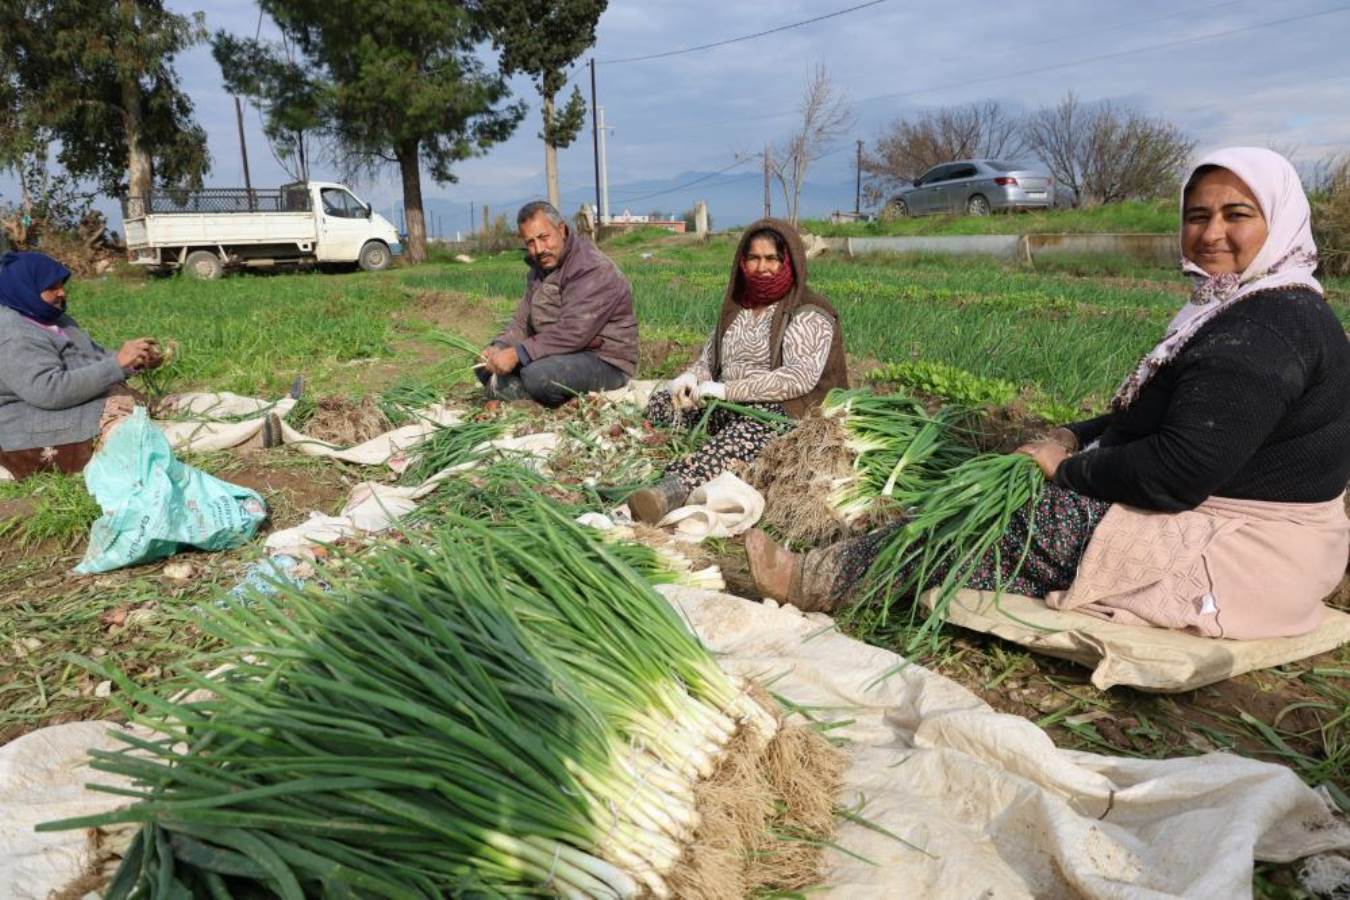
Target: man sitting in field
[574, 330]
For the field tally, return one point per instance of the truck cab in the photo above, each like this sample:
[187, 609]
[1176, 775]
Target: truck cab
[210, 231]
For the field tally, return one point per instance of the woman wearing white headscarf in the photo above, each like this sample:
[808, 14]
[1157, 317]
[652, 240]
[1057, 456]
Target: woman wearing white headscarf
[1210, 498]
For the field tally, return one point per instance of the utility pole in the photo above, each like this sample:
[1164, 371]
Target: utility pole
[471, 225]
[604, 166]
[243, 150]
[857, 191]
[595, 142]
[768, 168]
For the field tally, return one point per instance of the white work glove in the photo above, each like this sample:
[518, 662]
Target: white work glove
[683, 391]
[708, 389]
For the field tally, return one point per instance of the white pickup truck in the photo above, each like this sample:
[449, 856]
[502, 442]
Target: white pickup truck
[206, 232]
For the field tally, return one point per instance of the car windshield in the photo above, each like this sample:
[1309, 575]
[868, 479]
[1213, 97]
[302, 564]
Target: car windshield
[1001, 166]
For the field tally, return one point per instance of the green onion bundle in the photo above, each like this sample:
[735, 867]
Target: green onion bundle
[662, 565]
[509, 711]
[901, 450]
[450, 445]
[951, 526]
[405, 401]
[458, 343]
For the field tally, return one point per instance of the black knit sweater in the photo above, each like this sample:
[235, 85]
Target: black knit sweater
[1256, 407]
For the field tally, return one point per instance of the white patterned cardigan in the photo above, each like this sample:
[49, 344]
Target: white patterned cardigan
[746, 357]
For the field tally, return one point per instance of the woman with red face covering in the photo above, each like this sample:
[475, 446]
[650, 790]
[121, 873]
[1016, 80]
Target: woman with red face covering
[1209, 498]
[777, 347]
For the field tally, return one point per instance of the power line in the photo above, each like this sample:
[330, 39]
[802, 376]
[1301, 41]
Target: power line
[1096, 31]
[1104, 56]
[744, 37]
[1032, 71]
[687, 184]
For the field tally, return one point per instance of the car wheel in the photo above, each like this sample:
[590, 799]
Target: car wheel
[977, 206]
[203, 265]
[896, 209]
[375, 257]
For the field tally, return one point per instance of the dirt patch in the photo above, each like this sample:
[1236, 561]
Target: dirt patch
[15, 509]
[476, 319]
[292, 493]
[1004, 429]
[664, 359]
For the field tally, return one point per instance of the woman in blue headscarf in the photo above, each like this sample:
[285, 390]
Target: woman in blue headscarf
[55, 382]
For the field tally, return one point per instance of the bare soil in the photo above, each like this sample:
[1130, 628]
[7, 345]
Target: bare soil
[292, 493]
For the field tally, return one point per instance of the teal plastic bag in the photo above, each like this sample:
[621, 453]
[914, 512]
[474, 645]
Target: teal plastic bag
[154, 505]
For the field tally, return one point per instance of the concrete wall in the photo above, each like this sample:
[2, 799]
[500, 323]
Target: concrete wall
[1164, 249]
[1004, 246]
[1152, 248]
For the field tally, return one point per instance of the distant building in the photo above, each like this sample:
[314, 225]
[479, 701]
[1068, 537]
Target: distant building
[626, 221]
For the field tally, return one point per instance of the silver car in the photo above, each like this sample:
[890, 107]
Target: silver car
[974, 187]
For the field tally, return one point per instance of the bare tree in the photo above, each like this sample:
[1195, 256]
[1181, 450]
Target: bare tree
[906, 148]
[1105, 153]
[826, 116]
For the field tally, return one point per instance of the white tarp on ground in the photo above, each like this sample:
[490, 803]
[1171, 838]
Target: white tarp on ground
[373, 507]
[991, 807]
[999, 811]
[391, 447]
[205, 430]
[1151, 659]
[42, 778]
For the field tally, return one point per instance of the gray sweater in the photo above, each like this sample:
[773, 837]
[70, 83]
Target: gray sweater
[52, 388]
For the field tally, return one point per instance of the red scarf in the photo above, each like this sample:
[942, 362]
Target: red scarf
[757, 292]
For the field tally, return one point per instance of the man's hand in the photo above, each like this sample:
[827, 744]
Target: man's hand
[142, 353]
[501, 360]
[1048, 455]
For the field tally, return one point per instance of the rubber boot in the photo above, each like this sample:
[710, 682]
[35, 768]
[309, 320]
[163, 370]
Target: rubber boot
[650, 504]
[812, 582]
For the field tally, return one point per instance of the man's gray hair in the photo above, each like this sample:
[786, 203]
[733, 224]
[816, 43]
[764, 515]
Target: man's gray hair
[534, 208]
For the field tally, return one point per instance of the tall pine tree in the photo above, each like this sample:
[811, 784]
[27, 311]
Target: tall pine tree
[541, 38]
[401, 83]
[97, 77]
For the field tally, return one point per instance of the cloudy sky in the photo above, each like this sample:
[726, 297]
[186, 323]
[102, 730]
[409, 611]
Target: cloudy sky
[1242, 71]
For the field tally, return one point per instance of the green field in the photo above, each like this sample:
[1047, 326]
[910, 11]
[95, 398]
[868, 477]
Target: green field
[1060, 336]
[1047, 342]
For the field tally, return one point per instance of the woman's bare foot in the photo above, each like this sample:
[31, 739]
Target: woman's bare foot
[774, 568]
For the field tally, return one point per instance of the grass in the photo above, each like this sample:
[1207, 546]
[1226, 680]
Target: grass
[48, 507]
[250, 335]
[1158, 217]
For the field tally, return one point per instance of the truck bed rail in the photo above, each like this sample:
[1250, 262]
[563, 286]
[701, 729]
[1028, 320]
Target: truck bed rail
[216, 200]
